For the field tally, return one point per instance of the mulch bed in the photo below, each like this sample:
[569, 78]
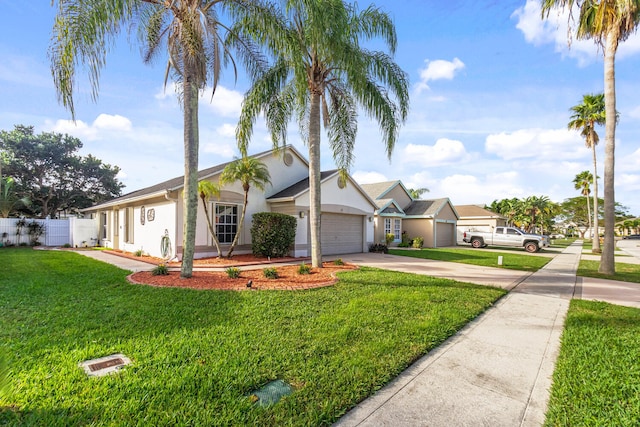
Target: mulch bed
[234, 261]
[288, 279]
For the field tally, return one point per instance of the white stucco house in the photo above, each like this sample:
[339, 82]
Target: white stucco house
[397, 212]
[139, 220]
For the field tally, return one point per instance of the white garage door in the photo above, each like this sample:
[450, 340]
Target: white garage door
[444, 235]
[341, 234]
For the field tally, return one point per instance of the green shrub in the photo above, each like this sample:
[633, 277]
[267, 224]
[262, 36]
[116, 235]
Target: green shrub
[160, 270]
[66, 245]
[389, 238]
[139, 252]
[272, 234]
[270, 273]
[418, 242]
[233, 272]
[338, 262]
[379, 248]
[304, 269]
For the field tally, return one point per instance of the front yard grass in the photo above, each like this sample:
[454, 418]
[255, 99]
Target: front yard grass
[624, 272]
[597, 378]
[198, 355]
[510, 260]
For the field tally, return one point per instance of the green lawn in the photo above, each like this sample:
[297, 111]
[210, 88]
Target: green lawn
[624, 272]
[597, 377]
[198, 355]
[510, 260]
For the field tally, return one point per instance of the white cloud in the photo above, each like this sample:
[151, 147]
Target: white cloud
[112, 122]
[223, 150]
[225, 102]
[101, 127]
[438, 69]
[635, 113]
[227, 130]
[556, 30]
[444, 151]
[547, 144]
[362, 177]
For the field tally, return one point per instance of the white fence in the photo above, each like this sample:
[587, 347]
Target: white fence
[57, 232]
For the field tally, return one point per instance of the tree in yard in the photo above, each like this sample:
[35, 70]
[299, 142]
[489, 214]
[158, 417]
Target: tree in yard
[582, 182]
[191, 32]
[321, 74]
[9, 201]
[207, 190]
[415, 193]
[608, 23]
[48, 172]
[585, 117]
[250, 172]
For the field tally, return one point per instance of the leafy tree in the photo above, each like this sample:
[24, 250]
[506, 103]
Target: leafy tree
[574, 211]
[582, 182]
[250, 172]
[607, 22]
[48, 171]
[207, 190]
[191, 31]
[9, 201]
[321, 73]
[417, 192]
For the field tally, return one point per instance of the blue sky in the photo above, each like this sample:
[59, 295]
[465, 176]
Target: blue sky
[491, 88]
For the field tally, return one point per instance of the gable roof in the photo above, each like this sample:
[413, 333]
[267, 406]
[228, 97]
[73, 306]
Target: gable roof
[178, 182]
[475, 211]
[377, 190]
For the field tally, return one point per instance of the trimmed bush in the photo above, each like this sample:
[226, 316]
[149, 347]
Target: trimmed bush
[272, 234]
[379, 248]
[160, 270]
[418, 242]
[304, 269]
[338, 262]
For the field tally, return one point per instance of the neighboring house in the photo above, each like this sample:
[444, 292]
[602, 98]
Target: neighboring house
[397, 212]
[474, 217]
[139, 220]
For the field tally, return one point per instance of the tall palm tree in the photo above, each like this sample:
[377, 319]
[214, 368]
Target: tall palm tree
[9, 201]
[321, 73]
[415, 193]
[582, 182]
[250, 172]
[190, 30]
[607, 22]
[207, 190]
[585, 117]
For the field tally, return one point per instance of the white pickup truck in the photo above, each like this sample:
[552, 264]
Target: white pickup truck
[506, 236]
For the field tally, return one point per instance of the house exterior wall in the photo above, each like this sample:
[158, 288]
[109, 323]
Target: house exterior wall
[146, 237]
[398, 194]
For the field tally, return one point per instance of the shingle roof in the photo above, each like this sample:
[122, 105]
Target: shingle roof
[300, 186]
[376, 189]
[425, 207]
[476, 211]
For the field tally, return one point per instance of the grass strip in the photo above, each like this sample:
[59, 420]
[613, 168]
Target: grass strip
[198, 355]
[597, 377]
[510, 260]
[624, 272]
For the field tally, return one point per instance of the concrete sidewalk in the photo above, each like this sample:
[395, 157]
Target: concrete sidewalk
[495, 372]
[119, 261]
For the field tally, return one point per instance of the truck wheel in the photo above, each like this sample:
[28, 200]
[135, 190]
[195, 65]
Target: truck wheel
[531, 247]
[477, 243]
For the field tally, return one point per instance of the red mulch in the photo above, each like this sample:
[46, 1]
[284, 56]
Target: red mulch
[234, 261]
[288, 278]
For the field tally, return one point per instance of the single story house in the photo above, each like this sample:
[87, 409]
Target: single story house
[477, 218]
[397, 212]
[139, 220]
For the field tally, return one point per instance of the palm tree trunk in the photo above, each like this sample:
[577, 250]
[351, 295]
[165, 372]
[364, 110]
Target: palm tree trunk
[314, 179]
[190, 99]
[607, 260]
[212, 231]
[239, 229]
[596, 224]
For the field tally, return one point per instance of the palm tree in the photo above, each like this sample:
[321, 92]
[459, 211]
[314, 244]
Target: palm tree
[250, 172]
[321, 74]
[9, 201]
[582, 182]
[207, 190]
[607, 22]
[417, 192]
[84, 30]
[585, 117]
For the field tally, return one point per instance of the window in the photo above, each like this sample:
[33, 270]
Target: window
[104, 232]
[226, 222]
[397, 226]
[128, 225]
[512, 231]
[499, 230]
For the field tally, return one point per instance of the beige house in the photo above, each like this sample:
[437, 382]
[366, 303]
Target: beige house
[139, 220]
[397, 212]
[477, 218]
